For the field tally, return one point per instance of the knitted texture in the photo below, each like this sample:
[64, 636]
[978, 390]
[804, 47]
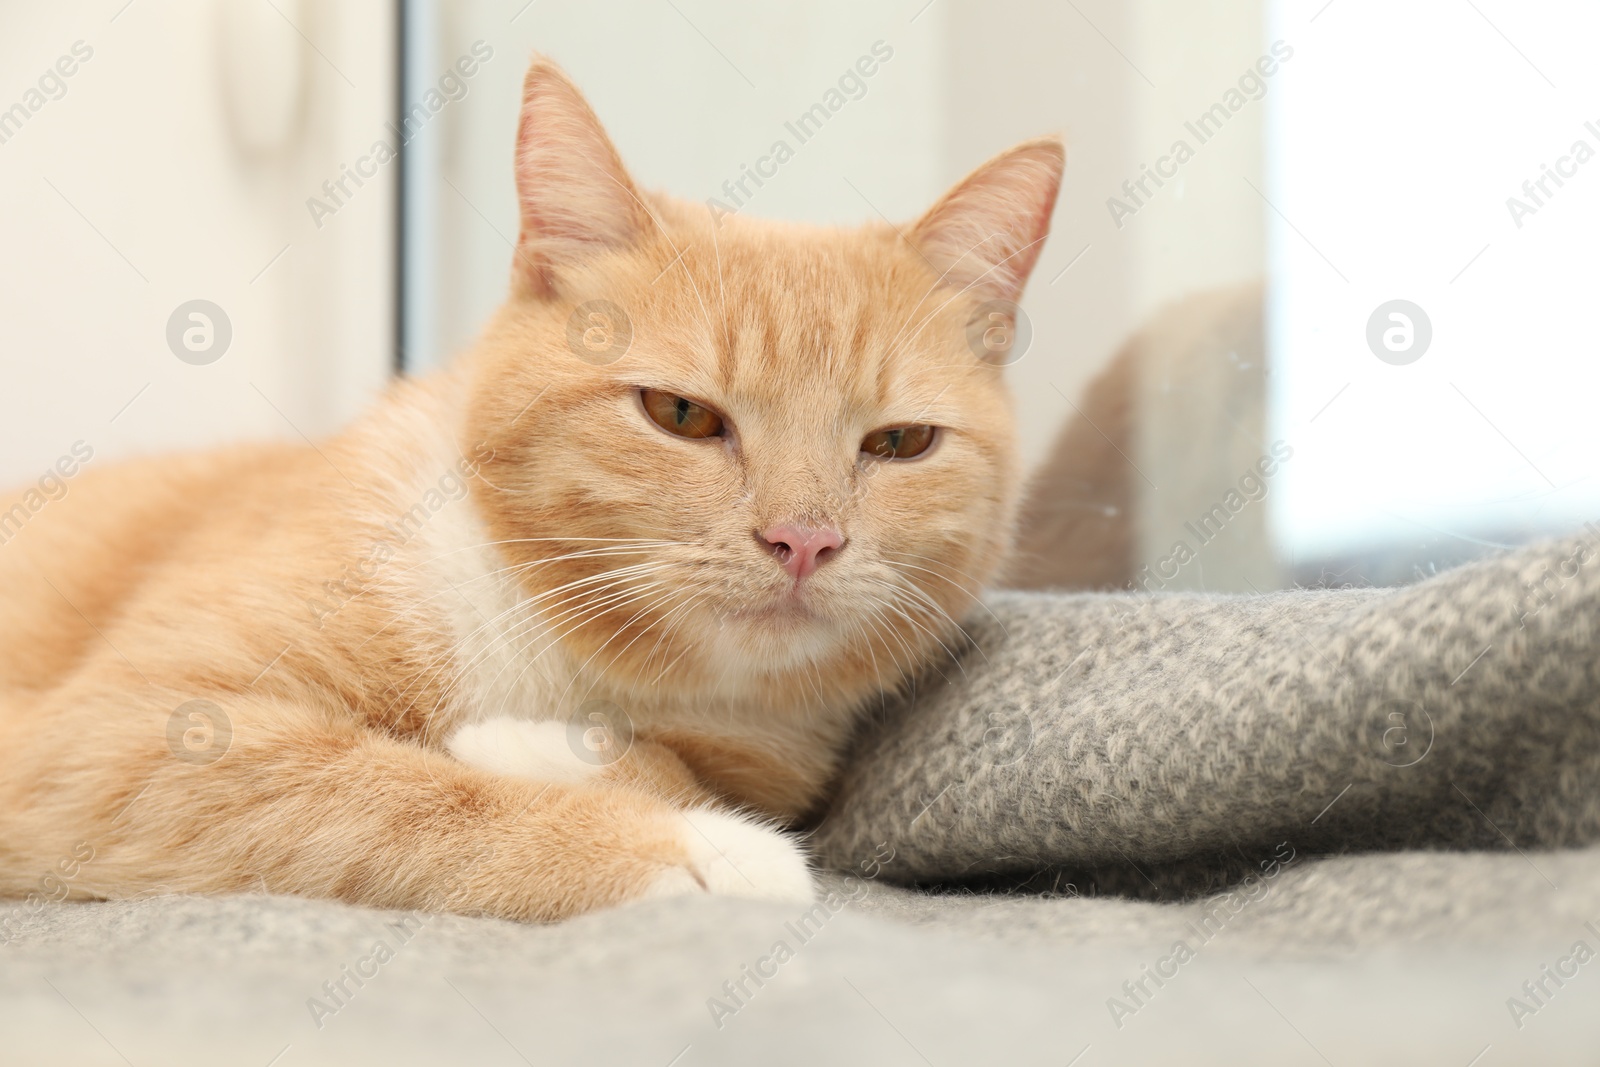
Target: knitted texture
[1137, 732]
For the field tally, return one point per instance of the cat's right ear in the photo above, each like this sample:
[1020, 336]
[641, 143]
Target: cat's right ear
[575, 195]
[985, 235]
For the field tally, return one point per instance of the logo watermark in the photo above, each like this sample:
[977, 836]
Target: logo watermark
[199, 332]
[1399, 332]
[451, 486]
[199, 732]
[599, 732]
[1252, 487]
[51, 485]
[51, 85]
[1566, 167]
[1206, 126]
[54, 886]
[1541, 592]
[1138, 992]
[452, 86]
[852, 85]
[1400, 731]
[599, 332]
[999, 333]
[737, 992]
[1007, 737]
[337, 992]
[1536, 991]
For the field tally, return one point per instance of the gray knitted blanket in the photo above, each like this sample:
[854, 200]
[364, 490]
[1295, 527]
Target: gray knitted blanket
[1165, 746]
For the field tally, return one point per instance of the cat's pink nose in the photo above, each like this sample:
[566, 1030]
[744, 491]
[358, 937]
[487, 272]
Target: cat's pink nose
[801, 549]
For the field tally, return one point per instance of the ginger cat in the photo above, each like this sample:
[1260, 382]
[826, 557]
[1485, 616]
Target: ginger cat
[582, 619]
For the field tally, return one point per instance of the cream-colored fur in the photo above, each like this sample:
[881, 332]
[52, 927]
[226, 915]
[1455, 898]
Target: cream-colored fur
[350, 670]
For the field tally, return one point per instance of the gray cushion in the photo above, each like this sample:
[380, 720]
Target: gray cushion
[1094, 732]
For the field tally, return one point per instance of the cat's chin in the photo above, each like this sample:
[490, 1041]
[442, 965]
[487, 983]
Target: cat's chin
[785, 632]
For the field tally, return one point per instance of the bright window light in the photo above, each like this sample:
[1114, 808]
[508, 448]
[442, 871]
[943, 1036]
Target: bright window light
[1433, 179]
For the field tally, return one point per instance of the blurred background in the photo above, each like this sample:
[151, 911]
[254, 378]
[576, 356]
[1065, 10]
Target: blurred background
[1314, 309]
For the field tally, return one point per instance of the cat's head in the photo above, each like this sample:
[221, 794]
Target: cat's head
[740, 453]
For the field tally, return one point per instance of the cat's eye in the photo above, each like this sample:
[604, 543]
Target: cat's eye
[899, 442]
[680, 415]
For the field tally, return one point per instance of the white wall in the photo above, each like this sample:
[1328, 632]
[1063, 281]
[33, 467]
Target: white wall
[142, 188]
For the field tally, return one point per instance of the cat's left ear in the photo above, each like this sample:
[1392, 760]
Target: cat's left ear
[576, 197]
[985, 234]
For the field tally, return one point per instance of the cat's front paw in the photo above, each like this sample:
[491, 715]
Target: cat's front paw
[736, 856]
[523, 748]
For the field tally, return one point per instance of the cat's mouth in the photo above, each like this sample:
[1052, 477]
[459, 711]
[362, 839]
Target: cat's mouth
[790, 609]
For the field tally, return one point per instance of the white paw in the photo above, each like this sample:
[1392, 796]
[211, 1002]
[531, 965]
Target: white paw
[522, 748]
[737, 856]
